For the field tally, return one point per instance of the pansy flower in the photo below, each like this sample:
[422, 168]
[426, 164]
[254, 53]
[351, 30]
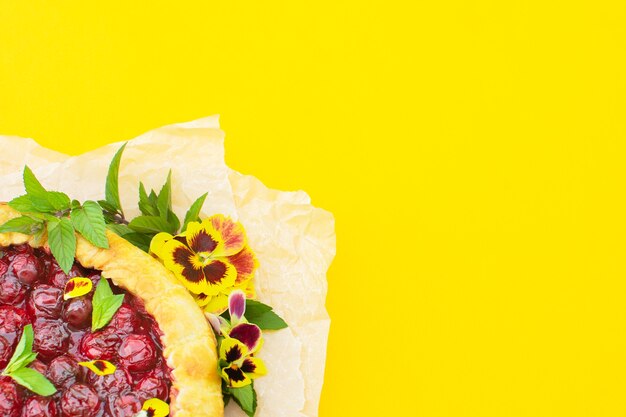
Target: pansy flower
[241, 341]
[210, 258]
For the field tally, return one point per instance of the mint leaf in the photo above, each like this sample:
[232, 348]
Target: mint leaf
[26, 225]
[145, 204]
[105, 304]
[32, 184]
[62, 241]
[262, 315]
[164, 199]
[119, 229]
[34, 381]
[22, 204]
[107, 206]
[245, 397]
[150, 224]
[140, 240]
[60, 201]
[89, 221]
[193, 214]
[22, 357]
[256, 308]
[42, 200]
[22, 350]
[111, 189]
[268, 321]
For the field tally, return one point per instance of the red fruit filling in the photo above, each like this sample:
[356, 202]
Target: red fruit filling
[31, 291]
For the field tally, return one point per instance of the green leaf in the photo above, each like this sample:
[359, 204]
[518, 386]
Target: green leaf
[173, 220]
[256, 308]
[119, 229]
[42, 200]
[262, 315]
[150, 224]
[89, 221]
[105, 305]
[103, 290]
[142, 241]
[26, 225]
[106, 206]
[60, 201]
[32, 185]
[34, 381]
[62, 241]
[111, 189]
[23, 351]
[164, 199]
[245, 397]
[22, 204]
[193, 214]
[268, 321]
[145, 204]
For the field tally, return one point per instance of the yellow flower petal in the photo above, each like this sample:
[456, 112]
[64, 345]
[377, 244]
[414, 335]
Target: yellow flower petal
[157, 243]
[232, 350]
[179, 259]
[235, 377]
[76, 287]
[156, 408]
[231, 234]
[245, 262]
[216, 304]
[201, 299]
[220, 275]
[99, 367]
[253, 367]
[203, 239]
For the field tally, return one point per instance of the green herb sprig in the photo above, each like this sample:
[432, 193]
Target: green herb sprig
[245, 397]
[53, 212]
[17, 366]
[156, 209]
[105, 304]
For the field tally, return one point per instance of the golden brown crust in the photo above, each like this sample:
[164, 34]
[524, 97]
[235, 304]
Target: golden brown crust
[188, 344]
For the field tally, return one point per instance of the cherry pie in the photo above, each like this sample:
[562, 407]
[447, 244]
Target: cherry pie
[158, 339]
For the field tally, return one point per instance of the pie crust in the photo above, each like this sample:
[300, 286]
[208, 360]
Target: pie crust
[189, 346]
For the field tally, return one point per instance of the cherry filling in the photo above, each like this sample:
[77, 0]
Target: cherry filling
[31, 292]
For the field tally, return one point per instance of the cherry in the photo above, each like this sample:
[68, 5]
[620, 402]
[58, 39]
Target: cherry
[124, 405]
[45, 301]
[39, 366]
[58, 278]
[77, 312]
[26, 267]
[137, 353]
[12, 319]
[80, 401]
[51, 338]
[100, 345]
[64, 371]
[152, 386]
[115, 383]
[10, 402]
[11, 289]
[6, 351]
[39, 407]
[125, 320]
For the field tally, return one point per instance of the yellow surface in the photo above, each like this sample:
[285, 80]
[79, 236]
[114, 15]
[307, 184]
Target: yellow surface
[472, 152]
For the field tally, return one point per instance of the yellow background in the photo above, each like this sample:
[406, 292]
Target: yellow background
[472, 152]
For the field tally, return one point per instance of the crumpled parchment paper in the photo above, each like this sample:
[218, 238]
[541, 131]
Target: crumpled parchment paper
[294, 241]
